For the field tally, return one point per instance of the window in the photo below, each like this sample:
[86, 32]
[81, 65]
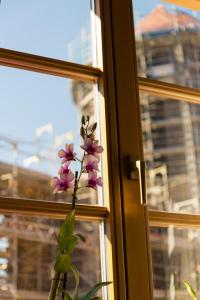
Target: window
[50, 75]
[166, 38]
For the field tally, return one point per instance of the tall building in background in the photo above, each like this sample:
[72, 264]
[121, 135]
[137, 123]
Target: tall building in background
[168, 50]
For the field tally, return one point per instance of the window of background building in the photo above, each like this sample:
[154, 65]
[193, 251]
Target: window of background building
[167, 49]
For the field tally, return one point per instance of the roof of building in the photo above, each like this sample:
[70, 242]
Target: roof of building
[160, 20]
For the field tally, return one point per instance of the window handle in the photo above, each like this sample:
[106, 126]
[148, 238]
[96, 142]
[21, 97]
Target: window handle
[137, 172]
[141, 167]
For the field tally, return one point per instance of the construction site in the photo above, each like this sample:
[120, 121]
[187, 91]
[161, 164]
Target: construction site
[167, 42]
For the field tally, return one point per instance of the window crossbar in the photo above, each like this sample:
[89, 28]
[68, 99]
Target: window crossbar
[46, 65]
[50, 209]
[165, 219]
[169, 90]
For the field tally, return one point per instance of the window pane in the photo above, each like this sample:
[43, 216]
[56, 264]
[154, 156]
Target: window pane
[57, 29]
[167, 42]
[39, 115]
[171, 139]
[27, 254]
[176, 258]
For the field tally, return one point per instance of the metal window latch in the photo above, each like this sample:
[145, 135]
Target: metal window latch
[137, 171]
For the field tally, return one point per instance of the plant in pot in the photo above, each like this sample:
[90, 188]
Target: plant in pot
[67, 239]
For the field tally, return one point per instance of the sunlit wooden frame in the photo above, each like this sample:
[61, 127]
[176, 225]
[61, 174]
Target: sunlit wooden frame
[169, 90]
[46, 65]
[164, 219]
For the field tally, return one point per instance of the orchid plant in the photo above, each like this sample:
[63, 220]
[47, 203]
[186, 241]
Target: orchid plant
[68, 180]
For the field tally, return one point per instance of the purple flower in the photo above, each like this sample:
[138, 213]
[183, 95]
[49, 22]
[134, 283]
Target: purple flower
[91, 147]
[64, 169]
[67, 154]
[94, 181]
[63, 183]
[90, 164]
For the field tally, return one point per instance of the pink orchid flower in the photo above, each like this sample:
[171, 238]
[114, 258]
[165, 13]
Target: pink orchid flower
[63, 183]
[91, 164]
[94, 181]
[64, 169]
[92, 148]
[67, 154]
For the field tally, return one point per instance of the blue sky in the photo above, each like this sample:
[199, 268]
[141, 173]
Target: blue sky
[42, 27]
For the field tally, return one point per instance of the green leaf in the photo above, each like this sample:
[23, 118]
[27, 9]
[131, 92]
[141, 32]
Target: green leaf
[68, 243]
[96, 298]
[81, 237]
[190, 290]
[93, 290]
[63, 263]
[76, 276]
[67, 228]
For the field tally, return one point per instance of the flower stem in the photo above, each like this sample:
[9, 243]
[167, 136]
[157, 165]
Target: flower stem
[73, 207]
[75, 190]
[64, 285]
[54, 286]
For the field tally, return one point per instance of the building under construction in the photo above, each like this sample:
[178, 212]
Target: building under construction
[168, 49]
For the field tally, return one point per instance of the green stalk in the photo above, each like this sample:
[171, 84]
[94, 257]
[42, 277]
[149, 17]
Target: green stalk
[55, 281]
[54, 287]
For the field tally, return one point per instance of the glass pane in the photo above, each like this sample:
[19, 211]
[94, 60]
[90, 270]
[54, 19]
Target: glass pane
[39, 115]
[171, 139]
[176, 258]
[57, 29]
[167, 42]
[27, 255]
